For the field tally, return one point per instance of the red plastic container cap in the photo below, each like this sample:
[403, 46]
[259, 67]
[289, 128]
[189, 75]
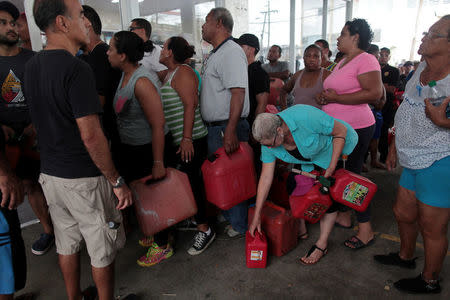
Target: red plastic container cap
[256, 250]
[163, 203]
[311, 206]
[230, 179]
[352, 190]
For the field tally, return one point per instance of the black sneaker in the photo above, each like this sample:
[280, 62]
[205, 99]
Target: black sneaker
[201, 242]
[395, 260]
[418, 285]
[43, 244]
[187, 225]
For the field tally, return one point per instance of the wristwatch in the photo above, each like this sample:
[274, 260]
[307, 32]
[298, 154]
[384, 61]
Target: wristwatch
[119, 182]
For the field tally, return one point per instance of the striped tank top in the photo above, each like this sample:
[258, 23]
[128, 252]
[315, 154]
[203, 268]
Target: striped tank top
[174, 113]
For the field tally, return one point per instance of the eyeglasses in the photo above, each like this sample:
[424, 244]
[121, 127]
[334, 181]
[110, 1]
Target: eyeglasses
[131, 28]
[274, 141]
[433, 35]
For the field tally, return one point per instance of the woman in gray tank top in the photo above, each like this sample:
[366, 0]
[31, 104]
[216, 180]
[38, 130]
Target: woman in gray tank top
[307, 83]
[141, 126]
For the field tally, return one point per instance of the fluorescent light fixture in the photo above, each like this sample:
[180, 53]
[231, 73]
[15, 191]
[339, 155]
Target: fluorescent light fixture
[117, 1]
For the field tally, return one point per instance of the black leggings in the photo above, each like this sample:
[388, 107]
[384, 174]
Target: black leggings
[194, 173]
[136, 162]
[354, 164]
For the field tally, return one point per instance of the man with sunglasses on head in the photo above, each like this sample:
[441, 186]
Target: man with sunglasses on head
[143, 29]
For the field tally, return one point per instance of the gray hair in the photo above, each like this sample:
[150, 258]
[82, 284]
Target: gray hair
[265, 126]
[222, 14]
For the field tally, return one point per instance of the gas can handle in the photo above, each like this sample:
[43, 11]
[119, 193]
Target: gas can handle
[327, 182]
[276, 207]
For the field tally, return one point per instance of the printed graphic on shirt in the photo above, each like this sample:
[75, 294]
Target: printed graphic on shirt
[12, 91]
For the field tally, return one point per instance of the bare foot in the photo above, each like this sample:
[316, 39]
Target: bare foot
[378, 165]
[344, 219]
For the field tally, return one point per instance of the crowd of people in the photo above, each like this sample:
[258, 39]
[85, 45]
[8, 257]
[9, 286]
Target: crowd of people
[102, 116]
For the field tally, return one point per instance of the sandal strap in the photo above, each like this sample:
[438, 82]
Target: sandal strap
[314, 247]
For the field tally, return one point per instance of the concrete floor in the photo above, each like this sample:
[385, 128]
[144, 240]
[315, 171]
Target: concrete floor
[221, 273]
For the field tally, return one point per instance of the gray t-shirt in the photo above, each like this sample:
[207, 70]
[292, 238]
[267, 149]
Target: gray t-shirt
[225, 68]
[280, 66]
[132, 124]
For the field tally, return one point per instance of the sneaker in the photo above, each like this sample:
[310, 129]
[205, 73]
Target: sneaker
[146, 241]
[43, 244]
[418, 285]
[231, 232]
[187, 225]
[155, 255]
[395, 260]
[201, 242]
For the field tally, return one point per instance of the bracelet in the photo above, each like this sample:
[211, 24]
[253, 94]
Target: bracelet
[187, 138]
[158, 161]
[339, 137]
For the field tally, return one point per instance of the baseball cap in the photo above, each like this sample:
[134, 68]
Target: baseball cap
[249, 40]
[9, 8]
[408, 64]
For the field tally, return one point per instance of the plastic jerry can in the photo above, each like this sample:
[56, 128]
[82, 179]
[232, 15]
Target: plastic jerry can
[275, 86]
[312, 205]
[256, 250]
[352, 190]
[163, 203]
[280, 226]
[270, 108]
[230, 179]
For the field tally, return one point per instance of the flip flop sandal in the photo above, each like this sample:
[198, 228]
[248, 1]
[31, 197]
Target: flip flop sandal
[357, 244]
[314, 247]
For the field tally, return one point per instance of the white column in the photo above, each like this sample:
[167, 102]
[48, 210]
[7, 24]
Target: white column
[324, 18]
[129, 9]
[349, 10]
[35, 33]
[292, 37]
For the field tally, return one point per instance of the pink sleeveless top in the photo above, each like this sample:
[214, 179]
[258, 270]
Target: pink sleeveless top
[306, 95]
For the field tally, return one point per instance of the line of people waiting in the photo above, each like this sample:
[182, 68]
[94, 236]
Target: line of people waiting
[158, 112]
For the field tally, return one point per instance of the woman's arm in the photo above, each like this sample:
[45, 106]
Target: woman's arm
[287, 88]
[370, 92]
[150, 102]
[339, 134]
[185, 83]
[265, 181]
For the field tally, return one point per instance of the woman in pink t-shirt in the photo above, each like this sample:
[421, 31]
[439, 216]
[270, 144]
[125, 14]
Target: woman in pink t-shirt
[354, 82]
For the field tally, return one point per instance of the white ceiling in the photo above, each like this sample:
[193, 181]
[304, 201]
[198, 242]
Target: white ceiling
[147, 7]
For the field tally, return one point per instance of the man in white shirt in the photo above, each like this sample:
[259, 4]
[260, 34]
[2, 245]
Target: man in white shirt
[143, 29]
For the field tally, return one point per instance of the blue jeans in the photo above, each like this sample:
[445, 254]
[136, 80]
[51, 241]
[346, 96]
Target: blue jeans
[237, 215]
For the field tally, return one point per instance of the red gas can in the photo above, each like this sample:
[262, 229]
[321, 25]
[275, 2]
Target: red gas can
[275, 86]
[230, 179]
[280, 226]
[163, 203]
[352, 190]
[311, 206]
[256, 250]
[270, 108]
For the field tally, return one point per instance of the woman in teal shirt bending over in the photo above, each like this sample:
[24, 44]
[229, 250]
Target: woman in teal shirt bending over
[303, 135]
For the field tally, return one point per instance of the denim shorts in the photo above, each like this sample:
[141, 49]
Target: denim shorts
[431, 184]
